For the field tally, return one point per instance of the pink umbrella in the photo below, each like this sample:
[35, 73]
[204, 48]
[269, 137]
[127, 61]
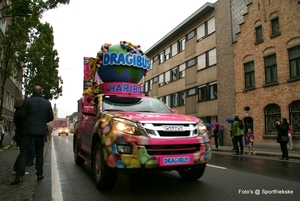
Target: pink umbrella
[217, 123]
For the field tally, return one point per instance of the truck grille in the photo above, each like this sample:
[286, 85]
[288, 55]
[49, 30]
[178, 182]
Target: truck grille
[158, 130]
[172, 149]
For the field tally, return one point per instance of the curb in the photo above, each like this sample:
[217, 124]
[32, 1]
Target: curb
[259, 153]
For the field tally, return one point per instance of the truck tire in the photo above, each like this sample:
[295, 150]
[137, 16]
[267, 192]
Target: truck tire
[191, 174]
[78, 160]
[104, 176]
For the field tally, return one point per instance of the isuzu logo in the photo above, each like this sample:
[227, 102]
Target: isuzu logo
[173, 128]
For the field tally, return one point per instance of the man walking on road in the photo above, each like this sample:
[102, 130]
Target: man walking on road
[237, 133]
[35, 113]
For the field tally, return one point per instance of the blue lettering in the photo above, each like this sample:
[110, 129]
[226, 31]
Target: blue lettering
[139, 61]
[126, 88]
[147, 64]
[176, 160]
[134, 60]
[135, 89]
[111, 88]
[114, 58]
[106, 60]
[122, 59]
[119, 88]
[129, 59]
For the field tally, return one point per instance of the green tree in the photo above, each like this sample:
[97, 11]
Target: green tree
[41, 63]
[21, 16]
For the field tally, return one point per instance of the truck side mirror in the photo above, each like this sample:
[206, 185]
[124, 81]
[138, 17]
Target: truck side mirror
[88, 110]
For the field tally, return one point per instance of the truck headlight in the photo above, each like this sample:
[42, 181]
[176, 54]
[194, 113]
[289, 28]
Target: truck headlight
[125, 126]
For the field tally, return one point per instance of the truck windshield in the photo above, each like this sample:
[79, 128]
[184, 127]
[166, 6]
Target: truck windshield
[145, 104]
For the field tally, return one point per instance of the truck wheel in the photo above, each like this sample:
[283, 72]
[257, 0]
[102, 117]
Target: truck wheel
[104, 176]
[191, 174]
[77, 158]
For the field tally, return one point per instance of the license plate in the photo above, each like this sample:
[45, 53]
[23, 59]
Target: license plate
[173, 128]
[176, 160]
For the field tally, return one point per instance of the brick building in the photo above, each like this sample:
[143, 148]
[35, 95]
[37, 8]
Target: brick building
[199, 67]
[267, 67]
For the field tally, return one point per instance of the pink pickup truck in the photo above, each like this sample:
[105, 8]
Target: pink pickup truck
[126, 132]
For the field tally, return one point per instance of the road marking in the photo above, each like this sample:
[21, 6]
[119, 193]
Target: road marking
[56, 188]
[219, 167]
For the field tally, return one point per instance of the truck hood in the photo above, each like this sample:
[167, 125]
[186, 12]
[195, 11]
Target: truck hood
[157, 117]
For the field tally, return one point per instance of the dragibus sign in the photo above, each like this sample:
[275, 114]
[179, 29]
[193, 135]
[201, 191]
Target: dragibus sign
[128, 59]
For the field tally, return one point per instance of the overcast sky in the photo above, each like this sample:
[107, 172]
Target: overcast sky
[81, 27]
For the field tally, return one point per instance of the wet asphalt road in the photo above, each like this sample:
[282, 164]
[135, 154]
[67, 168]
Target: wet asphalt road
[227, 177]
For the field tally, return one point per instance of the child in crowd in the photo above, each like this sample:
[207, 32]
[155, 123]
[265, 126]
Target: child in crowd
[249, 138]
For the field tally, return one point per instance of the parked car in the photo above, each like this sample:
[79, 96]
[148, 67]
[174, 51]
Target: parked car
[63, 130]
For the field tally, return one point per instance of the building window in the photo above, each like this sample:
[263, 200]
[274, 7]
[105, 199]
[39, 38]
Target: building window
[155, 79]
[259, 34]
[182, 96]
[202, 93]
[161, 80]
[201, 32]
[167, 77]
[150, 85]
[212, 57]
[191, 63]
[162, 99]
[190, 35]
[161, 57]
[211, 26]
[167, 53]
[174, 74]
[213, 91]
[295, 117]
[181, 45]
[174, 100]
[191, 91]
[207, 92]
[201, 63]
[146, 89]
[174, 49]
[206, 29]
[155, 58]
[275, 26]
[294, 58]
[249, 75]
[272, 114]
[6, 102]
[270, 69]
[182, 71]
[168, 100]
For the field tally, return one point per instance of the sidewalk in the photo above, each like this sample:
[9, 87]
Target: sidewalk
[25, 190]
[269, 152]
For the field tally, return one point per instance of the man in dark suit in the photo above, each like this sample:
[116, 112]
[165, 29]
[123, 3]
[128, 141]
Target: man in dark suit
[35, 113]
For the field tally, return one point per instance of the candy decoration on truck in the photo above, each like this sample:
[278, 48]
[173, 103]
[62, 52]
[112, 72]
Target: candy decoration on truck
[124, 62]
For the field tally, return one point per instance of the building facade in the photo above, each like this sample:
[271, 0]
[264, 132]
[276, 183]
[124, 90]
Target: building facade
[12, 85]
[198, 67]
[267, 67]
